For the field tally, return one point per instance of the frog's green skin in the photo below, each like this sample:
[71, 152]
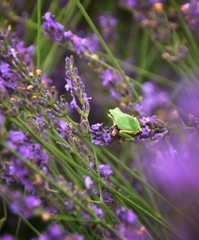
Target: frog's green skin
[127, 125]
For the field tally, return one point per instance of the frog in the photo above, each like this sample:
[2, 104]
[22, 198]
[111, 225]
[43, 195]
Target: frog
[127, 125]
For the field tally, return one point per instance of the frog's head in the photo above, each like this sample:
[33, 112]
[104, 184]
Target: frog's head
[113, 112]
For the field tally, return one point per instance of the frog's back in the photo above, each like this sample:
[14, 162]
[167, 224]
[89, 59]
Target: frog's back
[126, 122]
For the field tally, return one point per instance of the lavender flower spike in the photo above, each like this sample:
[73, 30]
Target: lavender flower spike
[56, 31]
[76, 88]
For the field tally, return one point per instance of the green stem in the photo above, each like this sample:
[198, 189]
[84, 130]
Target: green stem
[19, 221]
[38, 33]
[98, 171]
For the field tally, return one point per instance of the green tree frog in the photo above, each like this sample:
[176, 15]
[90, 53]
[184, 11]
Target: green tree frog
[126, 124]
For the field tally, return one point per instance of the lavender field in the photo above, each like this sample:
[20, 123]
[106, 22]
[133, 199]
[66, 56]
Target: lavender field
[99, 120]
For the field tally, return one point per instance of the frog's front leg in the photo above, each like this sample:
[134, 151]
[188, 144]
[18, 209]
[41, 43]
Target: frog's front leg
[126, 136]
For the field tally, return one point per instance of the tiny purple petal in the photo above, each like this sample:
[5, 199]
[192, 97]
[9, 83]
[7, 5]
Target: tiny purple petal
[105, 170]
[88, 182]
[32, 202]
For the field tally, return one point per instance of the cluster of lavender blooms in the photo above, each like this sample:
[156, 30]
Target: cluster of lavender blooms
[118, 89]
[190, 12]
[151, 15]
[33, 111]
[153, 97]
[77, 89]
[67, 39]
[175, 53]
[108, 24]
[145, 5]
[79, 45]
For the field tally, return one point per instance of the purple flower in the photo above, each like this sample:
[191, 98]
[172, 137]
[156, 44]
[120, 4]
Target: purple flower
[65, 38]
[52, 28]
[7, 237]
[191, 13]
[98, 211]
[176, 166]
[85, 215]
[141, 6]
[56, 232]
[78, 237]
[25, 54]
[27, 206]
[105, 170]
[108, 24]
[100, 135]
[148, 120]
[88, 182]
[81, 44]
[9, 79]
[15, 170]
[117, 87]
[77, 89]
[126, 216]
[1, 122]
[129, 229]
[158, 136]
[5, 70]
[153, 97]
[146, 131]
[63, 127]
[152, 128]
[32, 201]
[106, 197]
[136, 232]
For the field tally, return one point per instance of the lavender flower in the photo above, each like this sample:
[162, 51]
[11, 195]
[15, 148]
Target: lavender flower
[56, 31]
[77, 89]
[7, 237]
[175, 53]
[27, 206]
[100, 135]
[145, 5]
[105, 171]
[88, 182]
[151, 15]
[98, 211]
[15, 170]
[153, 97]
[193, 121]
[55, 232]
[108, 24]
[190, 12]
[152, 128]
[107, 198]
[118, 89]
[129, 229]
